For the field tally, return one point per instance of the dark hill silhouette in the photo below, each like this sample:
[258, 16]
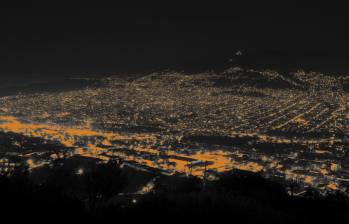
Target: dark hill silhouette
[95, 196]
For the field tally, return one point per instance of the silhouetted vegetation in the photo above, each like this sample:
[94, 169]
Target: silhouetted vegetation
[99, 192]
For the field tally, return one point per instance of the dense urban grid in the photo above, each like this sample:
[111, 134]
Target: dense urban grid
[288, 127]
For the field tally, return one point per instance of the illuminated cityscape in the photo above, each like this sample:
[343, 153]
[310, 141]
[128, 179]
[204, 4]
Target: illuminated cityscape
[286, 127]
[158, 111]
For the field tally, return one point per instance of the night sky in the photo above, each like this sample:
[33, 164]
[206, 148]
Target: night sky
[58, 41]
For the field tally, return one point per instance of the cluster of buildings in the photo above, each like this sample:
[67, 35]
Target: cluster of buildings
[291, 127]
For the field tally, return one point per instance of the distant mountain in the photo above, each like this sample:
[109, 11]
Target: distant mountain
[232, 77]
[259, 79]
[293, 80]
[47, 86]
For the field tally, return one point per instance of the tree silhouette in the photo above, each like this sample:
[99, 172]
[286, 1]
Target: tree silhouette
[102, 183]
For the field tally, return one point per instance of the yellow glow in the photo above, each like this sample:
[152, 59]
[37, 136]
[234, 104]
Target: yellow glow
[96, 144]
[332, 186]
[309, 180]
[334, 167]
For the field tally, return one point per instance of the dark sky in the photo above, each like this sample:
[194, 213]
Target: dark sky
[57, 41]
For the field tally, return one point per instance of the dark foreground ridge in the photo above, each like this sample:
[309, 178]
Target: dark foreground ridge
[102, 193]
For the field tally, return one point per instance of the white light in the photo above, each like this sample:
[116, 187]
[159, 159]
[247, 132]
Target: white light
[80, 171]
